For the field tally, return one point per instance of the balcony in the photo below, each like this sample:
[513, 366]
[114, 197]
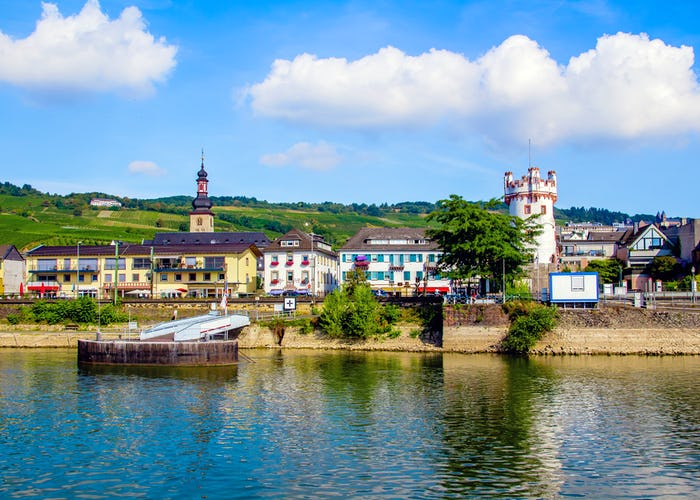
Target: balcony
[289, 263]
[274, 263]
[304, 262]
[396, 267]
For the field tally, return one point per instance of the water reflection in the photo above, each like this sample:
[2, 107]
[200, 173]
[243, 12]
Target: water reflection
[381, 425]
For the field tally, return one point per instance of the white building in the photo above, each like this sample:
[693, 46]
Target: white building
[104, 202]
[532, 195]
[300, 262]
[395, 260]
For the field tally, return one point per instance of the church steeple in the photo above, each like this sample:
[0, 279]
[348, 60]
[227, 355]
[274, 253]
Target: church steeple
[201, 217]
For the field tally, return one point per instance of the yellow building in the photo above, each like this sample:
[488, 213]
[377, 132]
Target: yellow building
[194, 270]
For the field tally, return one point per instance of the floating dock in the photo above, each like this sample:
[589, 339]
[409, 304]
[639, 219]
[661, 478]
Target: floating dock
[135, 352]
[205, 340]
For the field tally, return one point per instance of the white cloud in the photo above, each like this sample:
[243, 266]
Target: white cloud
[320, 156]
[146, 168]
[87, 52]
[627, 87]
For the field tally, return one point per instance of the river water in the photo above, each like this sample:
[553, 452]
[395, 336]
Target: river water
[322, 424]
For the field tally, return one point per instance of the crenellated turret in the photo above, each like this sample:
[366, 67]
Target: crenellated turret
[533, 196]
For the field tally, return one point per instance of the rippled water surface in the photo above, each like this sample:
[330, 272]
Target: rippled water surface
[351, 425]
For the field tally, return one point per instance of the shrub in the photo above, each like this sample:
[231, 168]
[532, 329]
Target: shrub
[13, 318]
[355, 313]
[528, 323]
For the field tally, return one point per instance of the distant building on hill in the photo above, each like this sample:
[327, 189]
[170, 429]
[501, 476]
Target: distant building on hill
[104, 202]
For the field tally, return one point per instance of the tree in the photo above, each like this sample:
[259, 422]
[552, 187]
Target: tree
[479, 242]
[608, 270]
[663, 267]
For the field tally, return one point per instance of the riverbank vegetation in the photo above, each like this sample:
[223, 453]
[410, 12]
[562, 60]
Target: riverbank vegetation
[82, 311]
[529, 322]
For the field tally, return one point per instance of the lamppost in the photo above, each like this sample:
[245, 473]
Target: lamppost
[693, 285]
[77, 273]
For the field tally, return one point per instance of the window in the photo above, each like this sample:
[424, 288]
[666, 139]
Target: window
[122, 277]
[87, 264]
[66, 264]
[527, 209]
[164, 277]
[139, 263]
[290, 276]
[221, 276]
[214, 262]
[207, 276]
[577, 284]
[108, 278]
[191, 262]
[407, 275]
[192, 276]
[110, 264]
[419, 275]
[275, 275]
[543, 209]
[274, 259]
[178, 277]
[135, 277]
[66, 278]
[46, 265]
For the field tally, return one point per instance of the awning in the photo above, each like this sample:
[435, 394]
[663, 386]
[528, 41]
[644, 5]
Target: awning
[43, 288]
[433, 289]
[276, 292]
[183, 290]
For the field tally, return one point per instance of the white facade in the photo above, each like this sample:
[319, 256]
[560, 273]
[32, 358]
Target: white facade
[302, 263]
[395, 260]
[532, 195]
[573, 287]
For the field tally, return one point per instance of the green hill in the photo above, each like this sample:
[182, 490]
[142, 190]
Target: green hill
[29, 217]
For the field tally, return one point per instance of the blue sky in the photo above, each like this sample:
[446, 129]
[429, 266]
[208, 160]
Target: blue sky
[361, 101]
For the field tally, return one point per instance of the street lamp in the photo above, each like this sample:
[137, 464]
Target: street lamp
[693, 285]
[77, 273]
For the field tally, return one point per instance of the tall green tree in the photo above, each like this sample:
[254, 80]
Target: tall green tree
[478, 241]
[609, 270]
[664, 268]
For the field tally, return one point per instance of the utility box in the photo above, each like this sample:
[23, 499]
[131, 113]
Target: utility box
[573, 288]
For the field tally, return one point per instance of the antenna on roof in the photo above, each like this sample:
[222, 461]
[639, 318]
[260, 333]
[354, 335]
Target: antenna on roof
[529, 153]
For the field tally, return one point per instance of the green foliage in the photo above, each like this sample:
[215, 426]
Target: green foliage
[529, 321]
[83, 310]
[664, 267]
[391, 313]
[518, 290]
[13, 318]
[353, 312]
[478, 241]
[608, 270]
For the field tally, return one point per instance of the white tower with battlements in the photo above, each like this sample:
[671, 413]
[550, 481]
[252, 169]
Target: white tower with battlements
[532, 195]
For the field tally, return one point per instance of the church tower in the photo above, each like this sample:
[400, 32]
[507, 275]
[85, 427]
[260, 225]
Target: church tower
[532, 195]
[201, 217]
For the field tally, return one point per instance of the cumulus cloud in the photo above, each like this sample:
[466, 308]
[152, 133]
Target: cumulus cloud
[320, 156]
[145, 168]
[627, 87]
[87, 52]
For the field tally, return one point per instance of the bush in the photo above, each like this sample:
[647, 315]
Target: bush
[528, 323]
[355, 313]
[13, 318]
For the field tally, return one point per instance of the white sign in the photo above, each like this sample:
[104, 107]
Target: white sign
[290, 303]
